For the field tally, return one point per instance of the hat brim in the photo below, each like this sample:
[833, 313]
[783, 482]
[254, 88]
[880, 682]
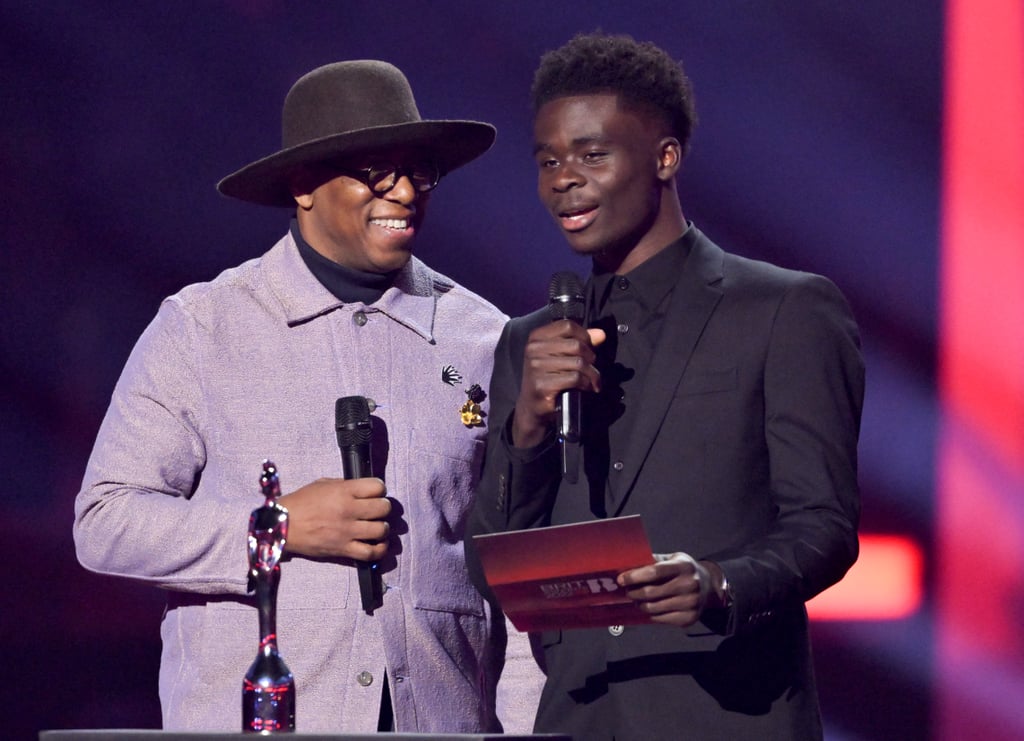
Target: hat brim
[451, 143]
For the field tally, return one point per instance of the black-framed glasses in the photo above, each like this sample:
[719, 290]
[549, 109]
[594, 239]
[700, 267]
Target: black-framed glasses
[381, 177]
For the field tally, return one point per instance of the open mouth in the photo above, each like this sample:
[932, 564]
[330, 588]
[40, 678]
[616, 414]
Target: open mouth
[392, 224]
[574, 219]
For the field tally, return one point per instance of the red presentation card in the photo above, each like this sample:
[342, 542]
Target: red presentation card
[564, 576]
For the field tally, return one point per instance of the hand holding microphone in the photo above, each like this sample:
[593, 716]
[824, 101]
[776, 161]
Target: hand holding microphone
[335, 518]
[332, 518]
[558, 363]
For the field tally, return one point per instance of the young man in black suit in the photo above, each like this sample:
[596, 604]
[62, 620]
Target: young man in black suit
[721, 402]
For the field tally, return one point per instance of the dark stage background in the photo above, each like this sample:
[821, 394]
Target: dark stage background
[818, 148]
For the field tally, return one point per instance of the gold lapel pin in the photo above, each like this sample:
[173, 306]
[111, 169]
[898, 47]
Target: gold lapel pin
[471, 413]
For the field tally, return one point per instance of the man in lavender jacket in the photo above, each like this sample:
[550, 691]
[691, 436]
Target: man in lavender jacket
[247, 367]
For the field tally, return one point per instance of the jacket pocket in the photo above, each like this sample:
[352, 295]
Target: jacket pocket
[443, 474]
[707, 381]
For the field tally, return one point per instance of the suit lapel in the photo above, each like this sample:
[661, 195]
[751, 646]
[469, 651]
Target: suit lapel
[694, 299]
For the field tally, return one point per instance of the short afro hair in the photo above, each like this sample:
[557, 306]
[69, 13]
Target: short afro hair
[640, 73]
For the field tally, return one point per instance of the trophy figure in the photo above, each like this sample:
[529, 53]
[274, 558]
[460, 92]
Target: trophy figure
[268, 690]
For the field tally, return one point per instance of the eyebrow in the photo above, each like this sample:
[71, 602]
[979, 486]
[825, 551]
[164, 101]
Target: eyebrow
[579, 141]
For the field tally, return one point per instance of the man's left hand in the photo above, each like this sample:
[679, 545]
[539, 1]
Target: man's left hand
[673, 590]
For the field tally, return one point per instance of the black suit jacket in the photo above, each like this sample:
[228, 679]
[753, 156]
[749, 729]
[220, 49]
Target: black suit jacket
[744, 452]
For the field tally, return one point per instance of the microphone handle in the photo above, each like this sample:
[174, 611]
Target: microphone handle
[355, 464]
[355, 461]
[569, 433]
[569, 416]
[371, 587]
[566, 301]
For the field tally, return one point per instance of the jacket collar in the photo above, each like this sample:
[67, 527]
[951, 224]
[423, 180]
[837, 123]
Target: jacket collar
[411, 300]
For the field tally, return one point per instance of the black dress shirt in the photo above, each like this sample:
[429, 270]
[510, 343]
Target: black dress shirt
[630, 309]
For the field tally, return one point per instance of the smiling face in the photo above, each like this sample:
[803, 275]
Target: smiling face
[346, 222]
[605, 173]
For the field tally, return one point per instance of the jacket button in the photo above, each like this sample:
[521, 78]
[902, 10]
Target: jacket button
[364, 678]
[616, 630]
[618, 465]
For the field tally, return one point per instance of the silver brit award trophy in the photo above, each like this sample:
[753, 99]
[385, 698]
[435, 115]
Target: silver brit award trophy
[268, 690]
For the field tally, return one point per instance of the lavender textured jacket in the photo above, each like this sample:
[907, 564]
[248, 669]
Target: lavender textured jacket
[248, 367]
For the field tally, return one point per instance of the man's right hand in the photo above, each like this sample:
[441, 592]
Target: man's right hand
[338, 517]
[558, 356]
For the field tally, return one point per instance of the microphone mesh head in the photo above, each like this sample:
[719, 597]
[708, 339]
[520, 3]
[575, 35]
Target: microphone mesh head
[565, 296]
[352, 420]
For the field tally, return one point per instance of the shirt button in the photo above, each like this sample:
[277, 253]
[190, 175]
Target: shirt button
[616, 630]
[364, 678]
[618, 465]
[622, 283]
[359, 318]
[623, 328]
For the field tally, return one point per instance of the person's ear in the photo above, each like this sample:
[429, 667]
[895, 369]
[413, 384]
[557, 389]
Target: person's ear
[302, 183]
[670, 157]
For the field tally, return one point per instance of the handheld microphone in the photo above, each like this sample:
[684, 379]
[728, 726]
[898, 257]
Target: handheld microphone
[565, 301]
[352, 423]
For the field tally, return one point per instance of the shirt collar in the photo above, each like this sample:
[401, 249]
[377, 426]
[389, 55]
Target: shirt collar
[410, 300]
[651, 281]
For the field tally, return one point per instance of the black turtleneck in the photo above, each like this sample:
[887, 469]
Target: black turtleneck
[348, 285]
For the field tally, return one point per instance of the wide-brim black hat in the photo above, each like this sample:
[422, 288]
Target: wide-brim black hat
[352, 108]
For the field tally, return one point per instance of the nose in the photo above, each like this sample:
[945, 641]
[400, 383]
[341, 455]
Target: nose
[566, 177]
[403, 191]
